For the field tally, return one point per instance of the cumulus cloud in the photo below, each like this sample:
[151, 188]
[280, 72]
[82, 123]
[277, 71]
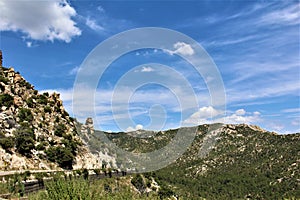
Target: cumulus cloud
[240, 117]
[182, 48]
[208, 115]
[203, 115]
[39, 20]
[137, 127]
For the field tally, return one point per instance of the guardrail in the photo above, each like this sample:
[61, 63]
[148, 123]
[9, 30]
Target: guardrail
[37, 185]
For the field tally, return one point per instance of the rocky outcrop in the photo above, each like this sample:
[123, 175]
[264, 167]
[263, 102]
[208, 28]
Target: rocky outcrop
[88, 127]
[41, 117]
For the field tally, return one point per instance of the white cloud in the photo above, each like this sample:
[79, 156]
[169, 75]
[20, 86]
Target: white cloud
[39, 20]
[93, 25]
[256, 113]
[236, 118]
[147, 69]
[240, 112]
[100, 9]
[74, 70]
[29, 44]
[208, 115]
[287, 16]
[181, 48]
[137, 127]
[203, 115]
[291, 110]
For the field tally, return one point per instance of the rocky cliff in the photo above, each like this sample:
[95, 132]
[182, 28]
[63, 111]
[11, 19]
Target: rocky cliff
[36, 132]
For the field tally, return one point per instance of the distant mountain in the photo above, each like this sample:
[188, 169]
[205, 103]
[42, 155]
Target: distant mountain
[245, 162]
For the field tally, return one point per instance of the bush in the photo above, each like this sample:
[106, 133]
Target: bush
[24, 83]
[85, 173]
[70, 144]
[165, 192]
[30, 102]
[7, 142]
[6, 100]
[47, 109]
[139, 183]
[25, 115]
[46, 94]
[62, 156]
[97, 171]
[72, 189]
[24, 143]
[42, 99]
[3, 79]
[41, 146]
[60, 130]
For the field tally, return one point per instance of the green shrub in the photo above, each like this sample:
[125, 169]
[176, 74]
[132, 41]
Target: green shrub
[138, 182]
[25, 115]
[65, 114]
[72, 189]
[15, 184]
[42, 99]
[47, 109]
[24, 143]
[24, 83]
[41, 146]
[4, 79]
[165, 192]
[62, 156]
[30, 102]
[6, 142]
[85, 173]
[6, 100]
[60, 130]
[97, 171]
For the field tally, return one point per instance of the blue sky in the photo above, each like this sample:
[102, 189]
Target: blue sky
[254, 44]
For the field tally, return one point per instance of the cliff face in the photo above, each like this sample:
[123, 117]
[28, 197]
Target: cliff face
[35, 130]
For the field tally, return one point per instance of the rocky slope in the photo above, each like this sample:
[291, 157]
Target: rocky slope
[245, 162]
[35, 130]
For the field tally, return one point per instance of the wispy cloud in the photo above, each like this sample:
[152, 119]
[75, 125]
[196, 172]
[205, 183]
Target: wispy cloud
[93, 25]
[292, 110]
[74, 70]
[289, 15]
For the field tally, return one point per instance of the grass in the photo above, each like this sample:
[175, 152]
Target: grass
[81, 189]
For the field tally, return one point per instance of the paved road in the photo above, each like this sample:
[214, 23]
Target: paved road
[4, 173]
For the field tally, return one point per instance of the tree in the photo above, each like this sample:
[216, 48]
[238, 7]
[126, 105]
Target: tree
[6, 142]
[6, 100]
[24, 144]
[62, 156]
[60, 130]
[25, 115]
